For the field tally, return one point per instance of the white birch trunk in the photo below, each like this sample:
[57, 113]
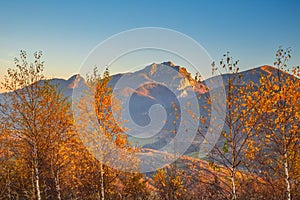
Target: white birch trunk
[102, 181]
[233, 184]
[287, 177]
[36, 172]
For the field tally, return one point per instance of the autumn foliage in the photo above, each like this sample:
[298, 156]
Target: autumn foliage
[43, 156]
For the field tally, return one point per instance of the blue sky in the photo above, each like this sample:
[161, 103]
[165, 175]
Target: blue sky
[66, 31]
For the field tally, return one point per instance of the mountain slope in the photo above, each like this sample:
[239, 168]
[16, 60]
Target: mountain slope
[165, 84]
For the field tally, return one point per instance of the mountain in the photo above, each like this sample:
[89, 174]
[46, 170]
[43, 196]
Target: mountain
[65, 86]
[254, 74]
[164, 84]
[175, 77]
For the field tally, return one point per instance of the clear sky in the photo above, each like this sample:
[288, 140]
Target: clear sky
[66, 31]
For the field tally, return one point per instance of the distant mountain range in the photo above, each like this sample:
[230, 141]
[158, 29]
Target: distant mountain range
[164, 84]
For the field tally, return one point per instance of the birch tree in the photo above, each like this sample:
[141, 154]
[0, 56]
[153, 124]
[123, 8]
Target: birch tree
[36, 116]
[229, 151]
[104, 134]
[276, 150]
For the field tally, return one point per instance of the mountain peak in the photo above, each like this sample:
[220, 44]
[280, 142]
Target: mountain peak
[169, 63]
[74, 77]
[162, 67]
[74, 81]
[268, 69]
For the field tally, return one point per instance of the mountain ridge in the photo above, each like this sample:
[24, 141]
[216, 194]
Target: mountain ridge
[158, 91]
[72, 81]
